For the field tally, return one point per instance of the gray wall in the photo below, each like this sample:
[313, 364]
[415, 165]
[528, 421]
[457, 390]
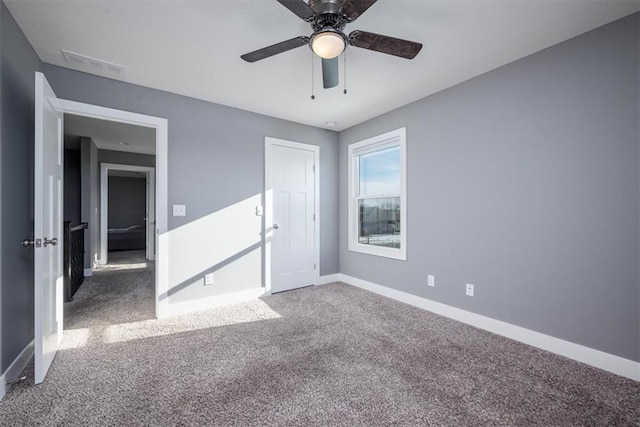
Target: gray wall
[127, 201]
[90, 186]
[525, 182]
[216, 163]
[18, 65]
[72, 187]
[2, 13]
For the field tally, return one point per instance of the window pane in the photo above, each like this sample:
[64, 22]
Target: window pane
[379, 222]
[380, 172]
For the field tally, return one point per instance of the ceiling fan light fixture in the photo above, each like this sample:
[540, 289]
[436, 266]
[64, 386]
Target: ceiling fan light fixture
[328, 43]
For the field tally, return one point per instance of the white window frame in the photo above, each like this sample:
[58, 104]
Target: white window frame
[394, 138]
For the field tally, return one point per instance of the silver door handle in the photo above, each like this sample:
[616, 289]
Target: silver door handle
[31, 243]
[52, 242]
[275, 226]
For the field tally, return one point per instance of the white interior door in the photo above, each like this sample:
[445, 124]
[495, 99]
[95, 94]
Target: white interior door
[293, 231]
[48, 192]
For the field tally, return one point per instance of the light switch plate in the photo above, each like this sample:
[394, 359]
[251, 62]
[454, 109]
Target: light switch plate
[431, 280]
[179, 210]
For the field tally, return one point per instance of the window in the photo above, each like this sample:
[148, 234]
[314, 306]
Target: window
[377, 195]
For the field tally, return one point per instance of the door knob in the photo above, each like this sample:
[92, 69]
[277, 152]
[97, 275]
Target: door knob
[52, 242]
[31, 243]
[275, 226]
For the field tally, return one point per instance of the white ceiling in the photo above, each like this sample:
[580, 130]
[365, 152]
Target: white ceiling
[112, 135]
[193, 47]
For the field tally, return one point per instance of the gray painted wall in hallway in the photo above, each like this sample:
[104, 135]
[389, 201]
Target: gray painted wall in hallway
[2, 12]
[18, 67]
[127, 202]
[72, 187]
[525, 182]
[216, 155]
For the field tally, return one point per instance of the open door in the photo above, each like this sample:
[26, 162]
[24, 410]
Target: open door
[48, 192]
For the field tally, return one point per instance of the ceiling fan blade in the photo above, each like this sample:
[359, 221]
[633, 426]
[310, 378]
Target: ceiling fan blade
[352, 9]
[299, 7]
[275, 49]
[329, 73]
[385, 44]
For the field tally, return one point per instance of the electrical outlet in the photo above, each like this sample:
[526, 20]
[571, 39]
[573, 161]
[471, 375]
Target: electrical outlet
[470, 289]
[208, 279]
[431, 280]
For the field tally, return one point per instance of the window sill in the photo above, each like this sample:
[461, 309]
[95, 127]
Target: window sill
[398, 254]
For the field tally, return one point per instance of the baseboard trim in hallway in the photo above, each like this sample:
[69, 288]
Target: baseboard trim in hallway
[17, 366]
[599, 359]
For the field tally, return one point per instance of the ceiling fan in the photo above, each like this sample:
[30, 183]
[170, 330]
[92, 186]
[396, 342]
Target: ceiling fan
[328, 19]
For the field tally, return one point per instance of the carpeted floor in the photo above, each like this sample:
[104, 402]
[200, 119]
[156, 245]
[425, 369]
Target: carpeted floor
[329, 355]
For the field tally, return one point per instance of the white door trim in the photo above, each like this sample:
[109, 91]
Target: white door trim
[161, 180]
[104, 205]
[268, 197]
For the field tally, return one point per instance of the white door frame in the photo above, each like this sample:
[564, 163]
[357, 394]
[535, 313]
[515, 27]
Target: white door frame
[268, 211]
[104, 207]
[162, 141]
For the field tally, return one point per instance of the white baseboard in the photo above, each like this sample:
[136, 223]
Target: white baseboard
[212, 302]
[329, 278]
[17, 366]
[599, 359]
[88, 272]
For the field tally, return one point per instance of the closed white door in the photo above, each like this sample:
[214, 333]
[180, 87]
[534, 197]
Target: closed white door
[48, 182]
[291, 224]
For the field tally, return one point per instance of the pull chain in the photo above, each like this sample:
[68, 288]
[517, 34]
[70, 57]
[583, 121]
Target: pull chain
[345, 72]
[312, 79]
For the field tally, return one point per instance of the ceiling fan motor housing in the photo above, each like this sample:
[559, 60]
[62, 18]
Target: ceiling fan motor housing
[325, 6]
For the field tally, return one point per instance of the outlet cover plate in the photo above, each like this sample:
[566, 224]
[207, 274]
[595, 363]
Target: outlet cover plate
[431, 280]
[470, 289]
[208, 279]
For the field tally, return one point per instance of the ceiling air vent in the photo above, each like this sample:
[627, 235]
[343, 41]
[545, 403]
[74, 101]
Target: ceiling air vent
[92, 64]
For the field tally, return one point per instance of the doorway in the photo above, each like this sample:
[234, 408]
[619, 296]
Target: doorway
[49, 150]
[160, 127]
[127, 199]
[292, 214]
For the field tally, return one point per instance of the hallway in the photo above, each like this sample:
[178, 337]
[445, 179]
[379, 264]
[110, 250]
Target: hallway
[120, 292]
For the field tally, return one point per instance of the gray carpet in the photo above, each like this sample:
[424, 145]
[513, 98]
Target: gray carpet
[329, 355]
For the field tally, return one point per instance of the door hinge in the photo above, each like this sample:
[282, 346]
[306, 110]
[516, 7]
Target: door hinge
[314, 266]
[314, 217]
[314, 168]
